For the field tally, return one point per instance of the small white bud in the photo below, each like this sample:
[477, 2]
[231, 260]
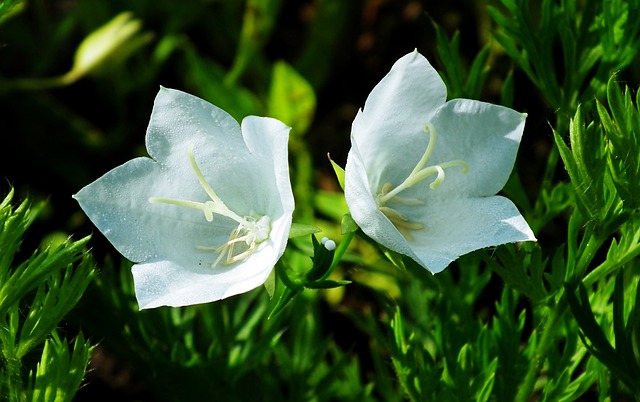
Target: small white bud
[329, 244]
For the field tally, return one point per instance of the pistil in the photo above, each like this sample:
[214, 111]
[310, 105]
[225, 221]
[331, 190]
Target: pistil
[420, 173]
[388, 193]
[251, 230]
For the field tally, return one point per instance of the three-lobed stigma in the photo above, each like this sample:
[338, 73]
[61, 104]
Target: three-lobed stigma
[243, 240]
[389, 193]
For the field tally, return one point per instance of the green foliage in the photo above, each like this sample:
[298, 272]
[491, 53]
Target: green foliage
[461, 83]
[552, 321]
[622, 128]
[291, 98]
[35, 296]
[595, 40]
[585, 163]
[623, 360]
[230, 349]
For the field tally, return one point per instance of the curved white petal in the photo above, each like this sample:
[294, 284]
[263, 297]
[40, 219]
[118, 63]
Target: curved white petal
[178, 119]
[455, 227]
[363, 207]
[483, 135]
[118, 204]
[267, 139]
[395, 113]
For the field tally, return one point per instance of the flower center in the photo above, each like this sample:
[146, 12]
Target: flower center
[389, 194]
[243, 240]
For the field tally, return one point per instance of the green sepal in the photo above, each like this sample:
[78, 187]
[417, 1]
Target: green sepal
[288, 282]
[338, 170]
[347, 224]
[290, 290]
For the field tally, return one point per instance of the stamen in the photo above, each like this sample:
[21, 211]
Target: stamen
[251, 229]
[390, 194]
[399, 200]
[420, 173]
[400, 222]
[203, 206]
[406, 201]
[386, 187]
[217, 205]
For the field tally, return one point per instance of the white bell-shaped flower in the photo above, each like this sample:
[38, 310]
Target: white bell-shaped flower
[208, 215]
[422, 174]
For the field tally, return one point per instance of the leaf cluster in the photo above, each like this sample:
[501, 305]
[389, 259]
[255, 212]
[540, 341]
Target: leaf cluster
[35, 296]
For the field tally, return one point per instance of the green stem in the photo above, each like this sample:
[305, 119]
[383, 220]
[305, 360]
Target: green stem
[608, 267]
[586, 254]
[37, 84]
[542, 349]
[13, 378]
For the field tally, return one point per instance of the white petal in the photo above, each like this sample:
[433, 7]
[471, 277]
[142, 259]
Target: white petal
[364, 209]
[458, 226]
[267, 139]
[394, 116]
[178, 119]
[118, 204]
[483, 135]
[164, 283]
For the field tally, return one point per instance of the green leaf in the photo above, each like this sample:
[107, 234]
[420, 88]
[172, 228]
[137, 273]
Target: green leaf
[585, 164]
[623, 366]
[52, 302]
[507, 90]
[54, 278]
[292, 99]
[622, 127]
[326, 284]
[60, 371]
[484, 393]
[300, 229]
[270, 284]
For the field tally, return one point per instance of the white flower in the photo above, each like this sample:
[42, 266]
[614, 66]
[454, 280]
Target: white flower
[208, 215]
[465, 150]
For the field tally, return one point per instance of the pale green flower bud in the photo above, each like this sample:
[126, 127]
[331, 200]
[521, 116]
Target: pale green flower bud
[110, 44]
